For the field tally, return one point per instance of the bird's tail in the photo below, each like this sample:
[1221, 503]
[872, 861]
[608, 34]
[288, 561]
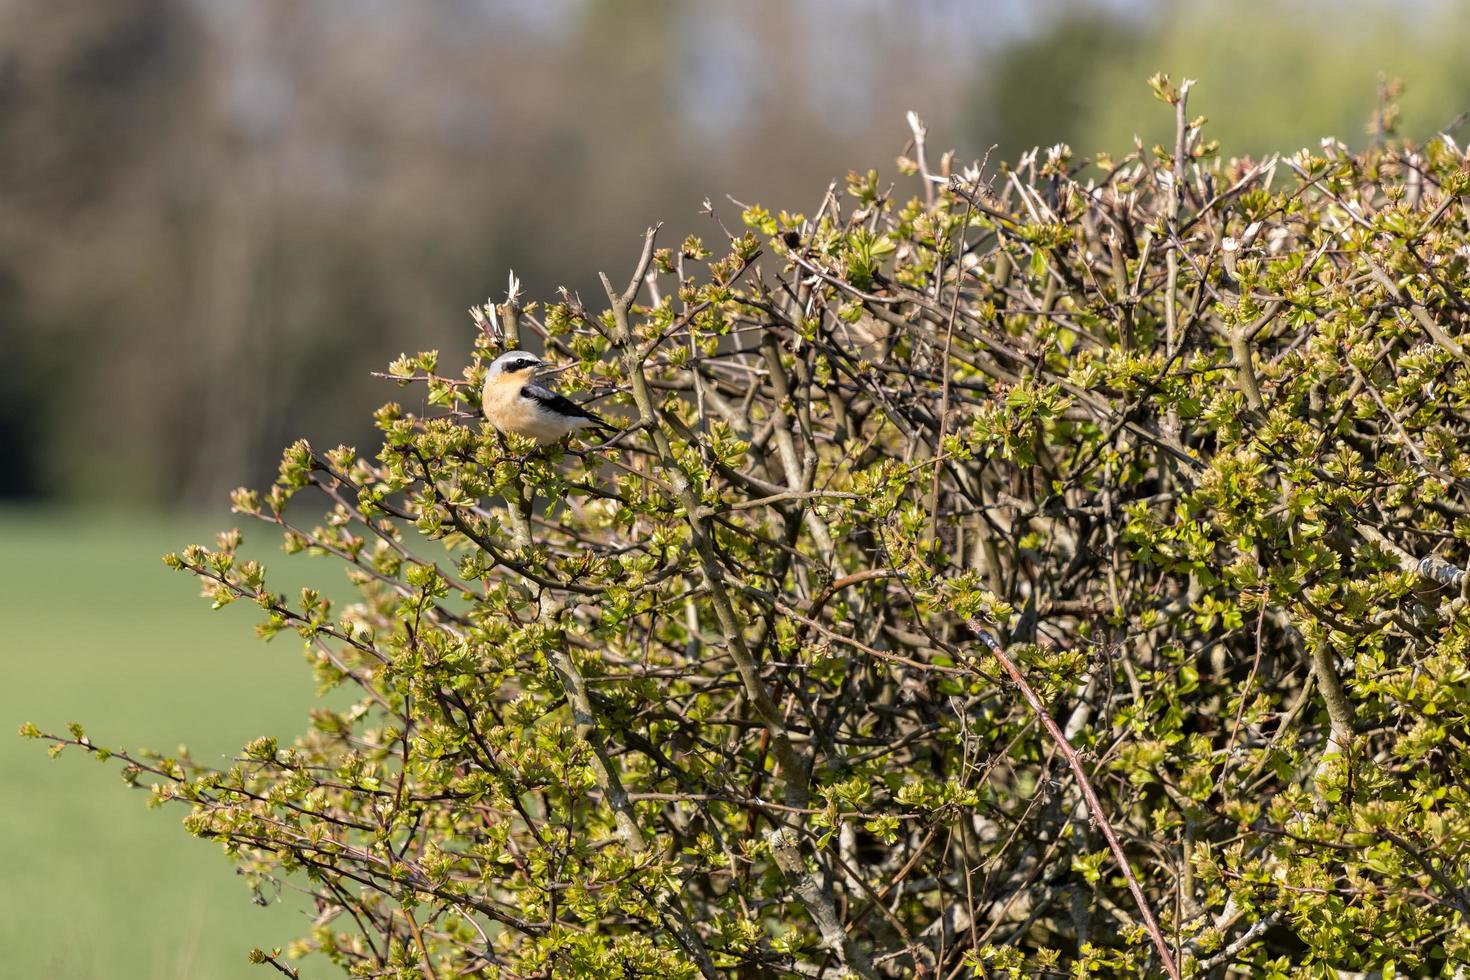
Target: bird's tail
[596, 423]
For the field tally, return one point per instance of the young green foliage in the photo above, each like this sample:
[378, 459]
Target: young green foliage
[1191, 434]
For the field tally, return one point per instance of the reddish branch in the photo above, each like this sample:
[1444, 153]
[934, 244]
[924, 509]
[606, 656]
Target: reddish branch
[1094, 806]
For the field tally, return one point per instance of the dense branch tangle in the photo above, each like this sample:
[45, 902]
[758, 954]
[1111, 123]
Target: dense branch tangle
[1184, 430]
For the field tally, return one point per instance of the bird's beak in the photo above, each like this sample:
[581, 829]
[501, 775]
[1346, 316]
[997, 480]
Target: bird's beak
[546, 372]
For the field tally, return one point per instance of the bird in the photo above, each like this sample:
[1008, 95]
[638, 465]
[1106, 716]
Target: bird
[515, 404]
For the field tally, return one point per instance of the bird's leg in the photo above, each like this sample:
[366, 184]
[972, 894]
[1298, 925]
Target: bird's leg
[520, 459]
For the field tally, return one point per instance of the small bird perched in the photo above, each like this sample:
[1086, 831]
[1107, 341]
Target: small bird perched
[514, 403]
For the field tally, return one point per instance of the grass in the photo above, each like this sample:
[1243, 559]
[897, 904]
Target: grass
[98, 631]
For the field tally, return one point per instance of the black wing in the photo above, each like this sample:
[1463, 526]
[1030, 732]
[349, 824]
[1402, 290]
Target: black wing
[562, 405]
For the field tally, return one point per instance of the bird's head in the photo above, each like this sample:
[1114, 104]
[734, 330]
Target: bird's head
[513, 365]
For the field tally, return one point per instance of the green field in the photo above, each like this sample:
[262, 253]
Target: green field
[97, 630]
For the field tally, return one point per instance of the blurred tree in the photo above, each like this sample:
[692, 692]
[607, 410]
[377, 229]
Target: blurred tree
[1030, 101]
[89, 104]
[1281, 76]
